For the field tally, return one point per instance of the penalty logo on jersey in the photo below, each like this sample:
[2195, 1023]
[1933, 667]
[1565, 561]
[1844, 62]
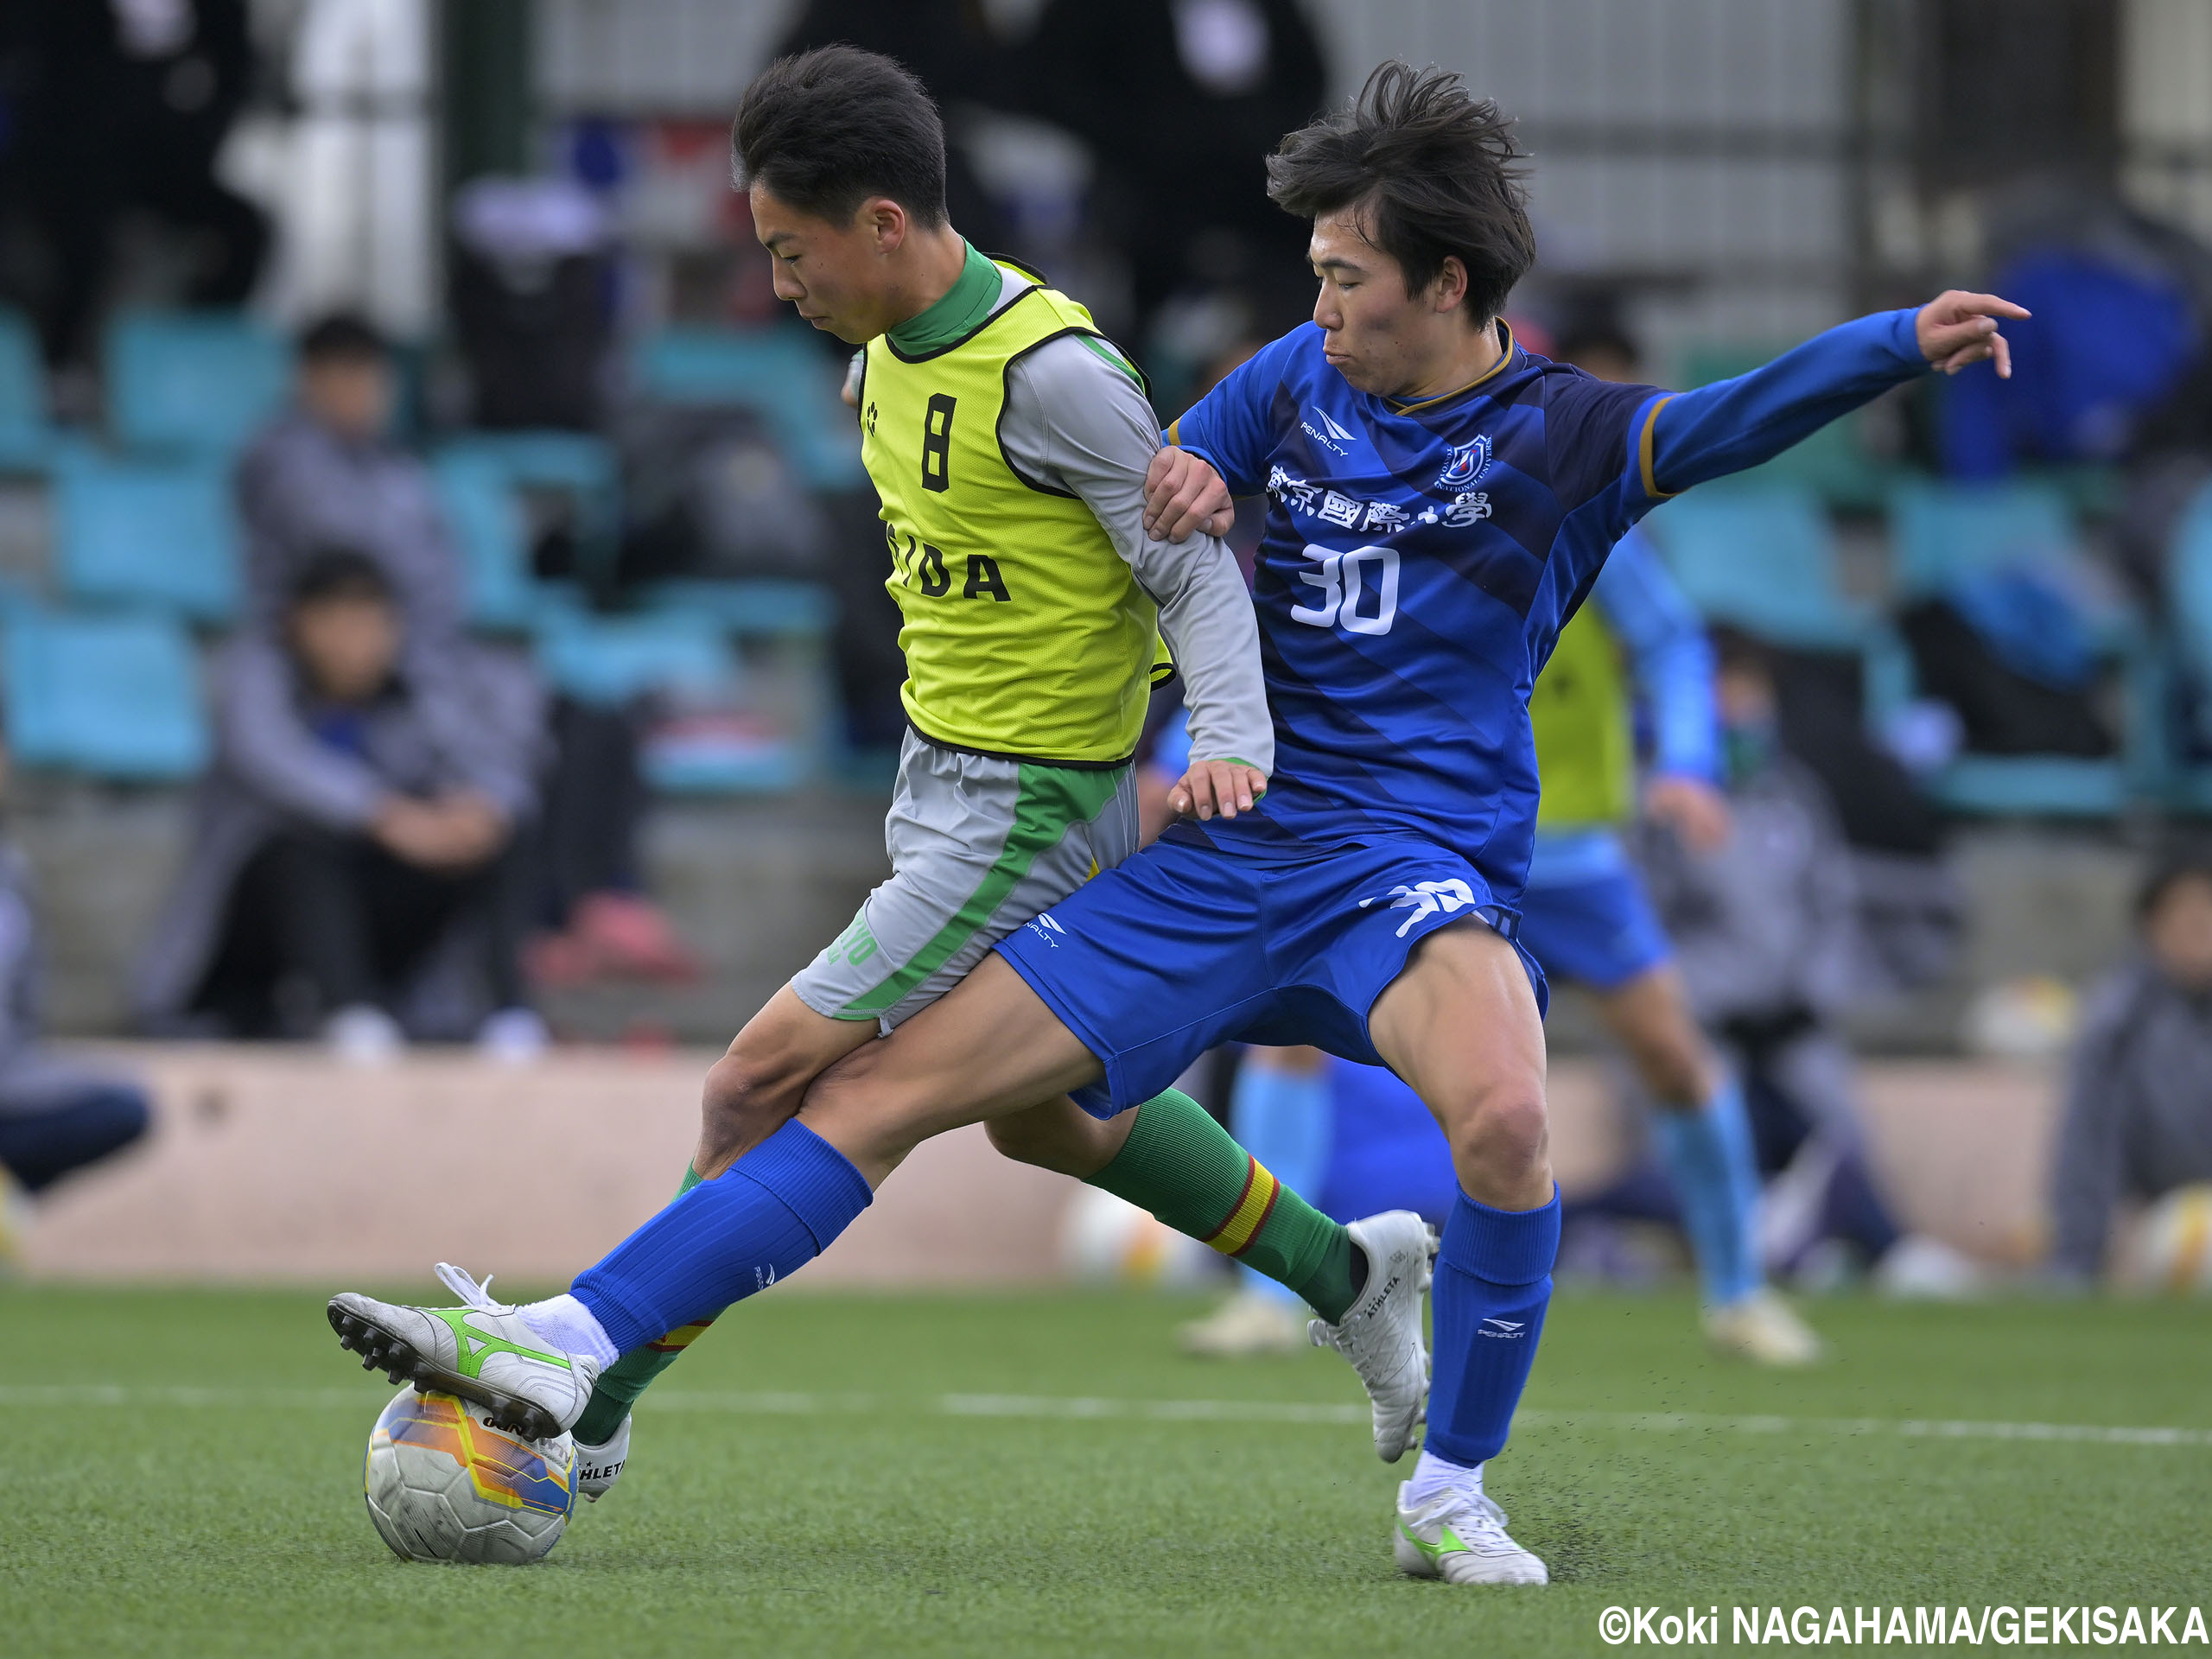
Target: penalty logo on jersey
[1468, 463]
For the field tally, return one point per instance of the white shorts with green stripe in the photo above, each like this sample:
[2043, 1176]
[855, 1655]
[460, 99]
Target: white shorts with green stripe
[978, 846]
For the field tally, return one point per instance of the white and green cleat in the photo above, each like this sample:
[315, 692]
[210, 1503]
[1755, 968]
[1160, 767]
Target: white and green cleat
[484, 1351]
[598, 1468]
[1381, 1333]
[1460, 1537]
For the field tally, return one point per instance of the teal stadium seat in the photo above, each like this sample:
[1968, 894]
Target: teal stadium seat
[707, 744]
[113, 696]
[26, 439]
[492, 533]
[1832, 463]
[146, 533]
[781, 374]
[1940, 533]
[576, 464]
[751, 609]
[1761, 558]
[607, 660]
[192, 380]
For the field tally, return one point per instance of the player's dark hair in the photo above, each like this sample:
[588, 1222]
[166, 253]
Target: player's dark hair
[343, 337]
[826, 130]
[1432, 170]
[338, 572]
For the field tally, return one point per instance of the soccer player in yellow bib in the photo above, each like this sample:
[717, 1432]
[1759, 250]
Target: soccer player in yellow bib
[1008, 441]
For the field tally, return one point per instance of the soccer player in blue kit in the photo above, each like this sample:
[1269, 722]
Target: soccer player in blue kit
[1441, 502]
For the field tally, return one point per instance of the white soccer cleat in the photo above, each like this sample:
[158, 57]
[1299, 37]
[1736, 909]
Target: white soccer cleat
[598, 1468]
[1380, 1334]
[1251, 1324]
[1763, 1329]
[1460, 1537]
[484, 1351]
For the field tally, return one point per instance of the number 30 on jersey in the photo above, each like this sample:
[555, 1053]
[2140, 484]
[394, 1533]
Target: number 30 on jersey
[1358, 589]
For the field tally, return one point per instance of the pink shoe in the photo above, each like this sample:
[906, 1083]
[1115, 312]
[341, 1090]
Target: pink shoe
[632, 935]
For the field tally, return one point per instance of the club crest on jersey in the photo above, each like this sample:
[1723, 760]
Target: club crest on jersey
[1468, 463]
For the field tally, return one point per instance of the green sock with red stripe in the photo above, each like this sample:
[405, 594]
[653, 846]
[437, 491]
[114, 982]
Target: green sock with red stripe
[620, 1383]
[1187, 1170]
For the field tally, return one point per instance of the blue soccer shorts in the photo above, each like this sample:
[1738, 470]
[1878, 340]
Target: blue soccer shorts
[1601, 932]
[1192, 944]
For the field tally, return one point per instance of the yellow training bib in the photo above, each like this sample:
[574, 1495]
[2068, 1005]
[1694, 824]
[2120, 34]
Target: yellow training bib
[1025, 630]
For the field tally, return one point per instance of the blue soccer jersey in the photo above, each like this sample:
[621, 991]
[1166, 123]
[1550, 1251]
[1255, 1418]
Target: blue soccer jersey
[1420, 558]
[1418, 563]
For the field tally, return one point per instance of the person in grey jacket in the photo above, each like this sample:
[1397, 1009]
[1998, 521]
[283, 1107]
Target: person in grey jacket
[358, 829]
[2137, 1119]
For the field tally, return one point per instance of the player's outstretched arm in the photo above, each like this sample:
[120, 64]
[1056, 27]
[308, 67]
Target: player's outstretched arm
[1692, 436]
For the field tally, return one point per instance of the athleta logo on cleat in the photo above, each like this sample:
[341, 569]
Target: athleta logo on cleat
[1425, 899]
[1329, 435]
[1495, 1328]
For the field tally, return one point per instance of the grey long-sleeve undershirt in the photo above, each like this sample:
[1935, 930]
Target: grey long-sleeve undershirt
[1076, 420]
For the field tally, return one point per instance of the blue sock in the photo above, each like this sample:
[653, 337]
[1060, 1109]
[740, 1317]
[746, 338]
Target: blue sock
[764, 1218]
[1708, 1155]
[1285, 1119]
[1493, 1282]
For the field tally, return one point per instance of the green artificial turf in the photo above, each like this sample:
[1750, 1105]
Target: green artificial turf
[802, 1485]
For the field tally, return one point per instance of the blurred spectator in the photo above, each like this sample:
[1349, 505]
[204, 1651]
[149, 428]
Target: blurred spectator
[358, 824]
[327, 474]
[2137, 1118]
[2121, 304]
[56, 1115]
[1764, 934]
[1181, 101]
[532, 301]
[124, 105]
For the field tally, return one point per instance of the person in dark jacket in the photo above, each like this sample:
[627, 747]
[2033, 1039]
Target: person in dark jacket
[355, 822]
[57, 1115]
[2137, 1121]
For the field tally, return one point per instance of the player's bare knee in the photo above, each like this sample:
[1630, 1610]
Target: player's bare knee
[1501, 1129]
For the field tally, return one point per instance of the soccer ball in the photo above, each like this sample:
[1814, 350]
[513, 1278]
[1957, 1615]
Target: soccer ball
[2173, 1247]
[1107, 1241]
[444, 1485]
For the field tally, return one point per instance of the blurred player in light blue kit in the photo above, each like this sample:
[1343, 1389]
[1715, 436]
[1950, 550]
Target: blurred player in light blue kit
[1585, 918]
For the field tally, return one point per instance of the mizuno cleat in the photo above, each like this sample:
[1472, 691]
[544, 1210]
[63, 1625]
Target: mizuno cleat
[1460, 1537]
[484, 1351]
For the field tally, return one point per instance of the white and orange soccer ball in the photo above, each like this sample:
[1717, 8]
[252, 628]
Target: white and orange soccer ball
[444, 1485]
[2171, 1249]
[1106, 1240]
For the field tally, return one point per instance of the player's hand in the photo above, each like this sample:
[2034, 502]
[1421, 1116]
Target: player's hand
[1696, 811]
[1182, 493]
[1956, 329]
[1227, 787]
